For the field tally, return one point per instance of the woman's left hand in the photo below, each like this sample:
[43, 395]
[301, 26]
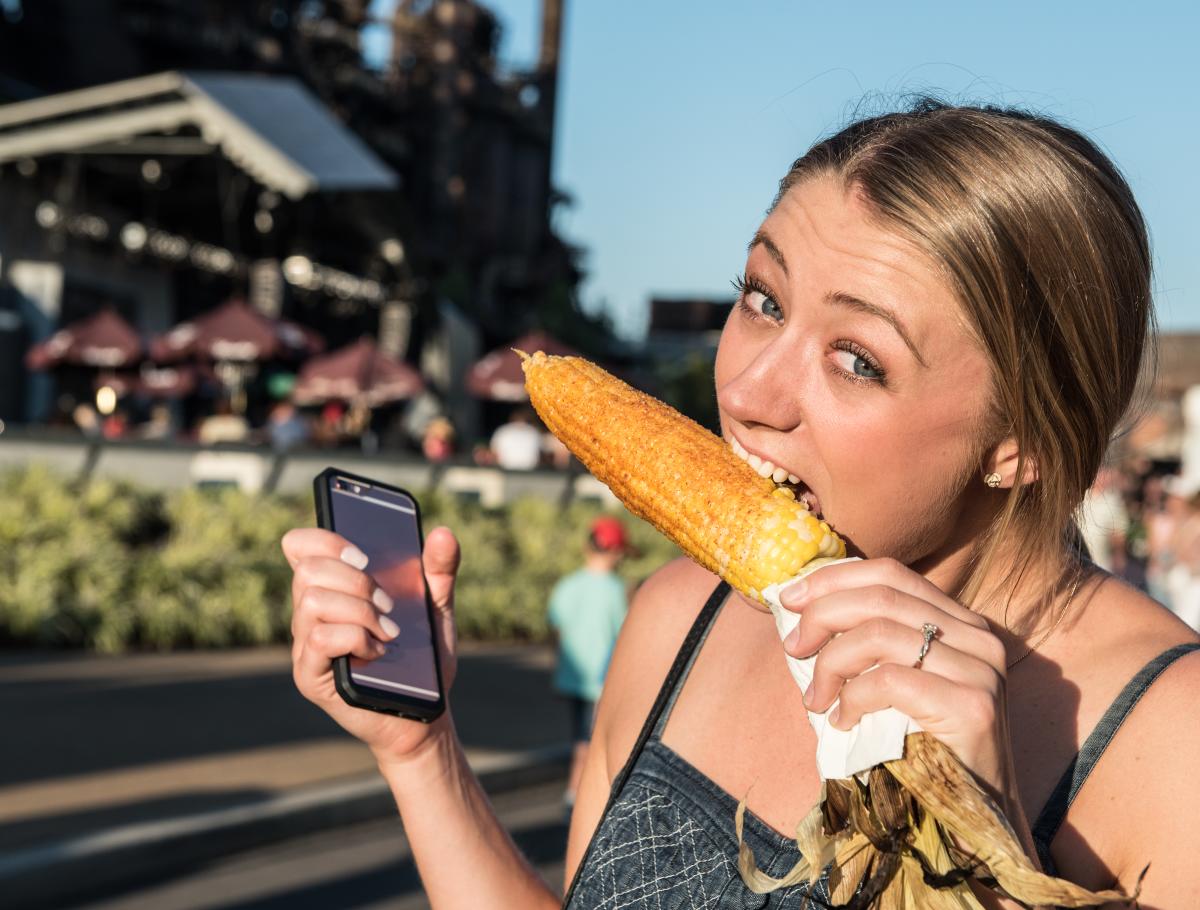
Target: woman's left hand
[865, 619]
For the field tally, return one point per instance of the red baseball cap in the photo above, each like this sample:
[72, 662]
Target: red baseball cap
[609, 534]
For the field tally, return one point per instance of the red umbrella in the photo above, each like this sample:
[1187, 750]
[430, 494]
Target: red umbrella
[498, 375]
[357, 372]
[235, 331]
[102, 340]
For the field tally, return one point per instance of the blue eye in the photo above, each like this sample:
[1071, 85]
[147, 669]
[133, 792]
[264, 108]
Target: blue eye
[857, 363]
[756, 300]
[759, 301]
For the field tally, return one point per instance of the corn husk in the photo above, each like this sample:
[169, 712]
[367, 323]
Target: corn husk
[916, 834]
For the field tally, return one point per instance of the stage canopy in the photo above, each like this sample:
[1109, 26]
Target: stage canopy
[269, 126]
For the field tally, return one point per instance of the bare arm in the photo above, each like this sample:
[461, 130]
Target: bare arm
[466, 859]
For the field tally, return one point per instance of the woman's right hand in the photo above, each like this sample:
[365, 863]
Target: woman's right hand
[334, 613]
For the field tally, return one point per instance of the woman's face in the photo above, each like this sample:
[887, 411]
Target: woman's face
[847, 363]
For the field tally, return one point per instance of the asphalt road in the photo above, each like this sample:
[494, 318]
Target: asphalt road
[108, 741]
[363, 867]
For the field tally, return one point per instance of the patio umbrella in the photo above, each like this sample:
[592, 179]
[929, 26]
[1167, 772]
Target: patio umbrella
[235, 337]
[153, 382]
[235, 332]
[359, 372]
[169, 382]
[498, 374]
[122, 383]
[102, 340]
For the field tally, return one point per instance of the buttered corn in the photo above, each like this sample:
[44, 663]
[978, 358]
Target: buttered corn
[678, 476]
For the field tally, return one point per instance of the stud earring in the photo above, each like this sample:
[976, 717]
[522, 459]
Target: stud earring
[992, 480]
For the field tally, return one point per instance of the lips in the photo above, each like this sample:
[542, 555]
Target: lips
[780, 475]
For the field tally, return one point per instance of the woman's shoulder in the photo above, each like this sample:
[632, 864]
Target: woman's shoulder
[662, 611]
[1128, 626]
[1149, 759]
[668, 594]
[1120, 632]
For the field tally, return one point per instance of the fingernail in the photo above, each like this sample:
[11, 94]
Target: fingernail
[793, 594]
[380, 648]
[793, 639]
[383, 600]
[834, 715]
[353, 556]
[808, 696]
[390, 629]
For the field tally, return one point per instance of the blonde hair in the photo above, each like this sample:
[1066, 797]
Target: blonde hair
[1040, 236]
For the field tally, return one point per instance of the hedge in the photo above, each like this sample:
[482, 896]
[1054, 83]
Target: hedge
[110, 566]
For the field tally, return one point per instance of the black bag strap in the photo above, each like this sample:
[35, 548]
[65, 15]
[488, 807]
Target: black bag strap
[665, 695]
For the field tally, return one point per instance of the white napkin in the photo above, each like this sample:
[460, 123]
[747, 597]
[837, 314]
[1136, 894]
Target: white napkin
[878, 737]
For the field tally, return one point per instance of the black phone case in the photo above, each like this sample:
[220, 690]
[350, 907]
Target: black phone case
[363, 696]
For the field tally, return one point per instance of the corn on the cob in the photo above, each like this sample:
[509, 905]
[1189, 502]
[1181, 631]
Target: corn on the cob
[677, 475]
[911, 832]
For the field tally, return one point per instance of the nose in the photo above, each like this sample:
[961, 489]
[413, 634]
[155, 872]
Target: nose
[767, 389]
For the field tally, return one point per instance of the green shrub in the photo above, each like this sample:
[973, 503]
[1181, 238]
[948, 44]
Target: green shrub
[109, 566]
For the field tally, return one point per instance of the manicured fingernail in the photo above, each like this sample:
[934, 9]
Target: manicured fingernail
[390, 629]
[834, 715]
[382, 600]
[353, 556]
[793, 594]
[793, 639]
[808, 696]
[380, 648]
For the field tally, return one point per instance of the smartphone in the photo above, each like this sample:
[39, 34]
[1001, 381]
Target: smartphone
[385, 523]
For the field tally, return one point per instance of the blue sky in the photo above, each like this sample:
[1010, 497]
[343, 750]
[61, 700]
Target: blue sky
[676, 119]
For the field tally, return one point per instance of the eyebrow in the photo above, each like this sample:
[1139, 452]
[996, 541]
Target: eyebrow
[761, 239]
[871, 309]
[842, 299]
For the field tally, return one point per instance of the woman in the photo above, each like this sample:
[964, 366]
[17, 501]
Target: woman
[939, 328]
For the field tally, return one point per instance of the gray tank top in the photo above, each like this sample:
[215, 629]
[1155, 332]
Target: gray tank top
[667, 841]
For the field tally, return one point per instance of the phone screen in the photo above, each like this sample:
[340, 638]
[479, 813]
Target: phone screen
[383, 524]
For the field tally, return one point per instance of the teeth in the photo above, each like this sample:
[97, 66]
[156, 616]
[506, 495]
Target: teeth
[763, 467]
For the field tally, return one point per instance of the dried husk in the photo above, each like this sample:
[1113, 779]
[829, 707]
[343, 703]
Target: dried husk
[816, 852]
[947, 791]
[914, 835]
[850, 866]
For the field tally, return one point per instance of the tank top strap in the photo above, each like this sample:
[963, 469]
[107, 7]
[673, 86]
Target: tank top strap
[684, 660]
[1051, 817]
[663, 703]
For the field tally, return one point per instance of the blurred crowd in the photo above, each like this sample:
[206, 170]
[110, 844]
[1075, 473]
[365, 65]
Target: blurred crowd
[520, 443]
[1143, 524]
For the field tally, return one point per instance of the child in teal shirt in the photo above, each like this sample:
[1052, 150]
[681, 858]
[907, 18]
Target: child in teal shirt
[587, 608]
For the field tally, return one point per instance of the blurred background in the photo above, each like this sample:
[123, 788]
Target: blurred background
[243, 239]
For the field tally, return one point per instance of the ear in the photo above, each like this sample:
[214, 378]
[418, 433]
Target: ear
[1002, 460]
